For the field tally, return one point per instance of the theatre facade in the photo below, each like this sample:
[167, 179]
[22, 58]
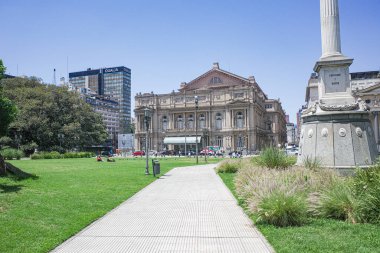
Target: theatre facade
[233, 113]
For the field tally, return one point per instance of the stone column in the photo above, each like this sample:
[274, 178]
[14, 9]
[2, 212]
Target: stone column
[376, 127]
[330, 28]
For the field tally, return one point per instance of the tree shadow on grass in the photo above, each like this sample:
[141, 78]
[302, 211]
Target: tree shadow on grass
[10, 188]
[18, 174]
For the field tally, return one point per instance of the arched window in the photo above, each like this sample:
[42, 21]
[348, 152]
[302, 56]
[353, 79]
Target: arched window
[179, 122]
[164, 123]
[218, 121]
[239, 120]
[190, 121]
[202, 121]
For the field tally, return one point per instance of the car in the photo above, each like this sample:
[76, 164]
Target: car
[166, 152]
[139, 153]
[152, 152]
[292, 151]
[206, 151]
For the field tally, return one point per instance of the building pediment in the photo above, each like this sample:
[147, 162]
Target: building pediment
[216, 78]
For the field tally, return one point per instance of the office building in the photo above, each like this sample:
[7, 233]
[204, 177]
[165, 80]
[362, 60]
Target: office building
[113, 83]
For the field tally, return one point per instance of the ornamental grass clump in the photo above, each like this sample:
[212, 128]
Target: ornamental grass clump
[366, 187]
[282, 209]
[312, 163]
[273, 158]
[337, 201]
[259, 185]
[229, 166]
[355, 199]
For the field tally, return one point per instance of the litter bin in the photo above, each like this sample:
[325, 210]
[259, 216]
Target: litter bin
[156, 167]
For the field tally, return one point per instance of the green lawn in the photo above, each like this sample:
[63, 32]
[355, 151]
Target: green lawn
[38, 214]
[319, 235]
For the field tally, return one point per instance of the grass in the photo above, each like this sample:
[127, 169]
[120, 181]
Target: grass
[318, 235]
[36, 215]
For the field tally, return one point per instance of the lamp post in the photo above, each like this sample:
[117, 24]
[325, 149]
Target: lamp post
[240, 143]
[18, 137]
[146, 121]
[204, 144]
[60, 138]
[196, 128]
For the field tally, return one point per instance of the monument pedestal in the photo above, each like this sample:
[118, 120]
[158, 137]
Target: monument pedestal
[338, 140]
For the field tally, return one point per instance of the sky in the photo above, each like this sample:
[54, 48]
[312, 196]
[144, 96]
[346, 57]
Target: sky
[168, 42]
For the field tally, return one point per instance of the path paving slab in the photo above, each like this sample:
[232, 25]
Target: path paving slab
[189, 209]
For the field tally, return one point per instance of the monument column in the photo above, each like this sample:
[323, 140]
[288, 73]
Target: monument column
[376, 121]
[335, 129]
[330, 28]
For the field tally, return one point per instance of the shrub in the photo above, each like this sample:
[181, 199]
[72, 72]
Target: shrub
[273, 158]
[56, 155]
[312, 163]
[11, 153]
[281, 209]
[229, 166]
[36, 156]
[337, 201]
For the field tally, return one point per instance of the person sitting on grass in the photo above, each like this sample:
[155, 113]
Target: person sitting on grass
[99, 158]
[110, 159]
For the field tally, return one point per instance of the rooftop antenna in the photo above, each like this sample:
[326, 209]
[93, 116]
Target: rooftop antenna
[67, 68]
[54, 79]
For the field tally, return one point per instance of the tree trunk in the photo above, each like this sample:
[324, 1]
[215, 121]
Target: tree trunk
[3, 170]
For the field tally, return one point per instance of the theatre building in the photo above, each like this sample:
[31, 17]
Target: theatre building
[232, 113]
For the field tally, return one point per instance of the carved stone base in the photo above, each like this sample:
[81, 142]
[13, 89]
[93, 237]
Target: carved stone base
[342, 140]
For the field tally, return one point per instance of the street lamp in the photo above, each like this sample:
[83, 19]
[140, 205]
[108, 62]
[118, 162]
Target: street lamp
[146, 121]
[18, 137]
[60, 138]
[196, 127]
[240, 143]
[204, 144]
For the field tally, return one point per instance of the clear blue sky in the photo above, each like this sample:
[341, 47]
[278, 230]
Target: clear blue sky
[168, 42]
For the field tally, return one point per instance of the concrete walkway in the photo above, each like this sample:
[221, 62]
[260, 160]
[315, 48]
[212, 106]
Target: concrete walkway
[187, 210]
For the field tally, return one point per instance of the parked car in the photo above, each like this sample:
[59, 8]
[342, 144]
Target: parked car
[206, 151]
[152, 152]
[139, 153]
[167, 152]
[235, 154]
[292, 151]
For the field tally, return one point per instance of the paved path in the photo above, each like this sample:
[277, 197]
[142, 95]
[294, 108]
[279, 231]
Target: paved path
[187, 210]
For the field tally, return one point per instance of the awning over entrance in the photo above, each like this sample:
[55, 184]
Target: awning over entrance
[182, 140]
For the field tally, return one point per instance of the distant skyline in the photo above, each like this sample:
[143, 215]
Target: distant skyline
[165, 43]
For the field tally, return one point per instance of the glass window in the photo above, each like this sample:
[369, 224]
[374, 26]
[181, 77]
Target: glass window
[180, 122]
[190, 121]
[219, 141]
[218, 121]
[202, 121]
[164, 123]
[239, 120]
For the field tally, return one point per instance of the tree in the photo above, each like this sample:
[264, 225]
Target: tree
[51, 117]
[8, 113]
[2, 69]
